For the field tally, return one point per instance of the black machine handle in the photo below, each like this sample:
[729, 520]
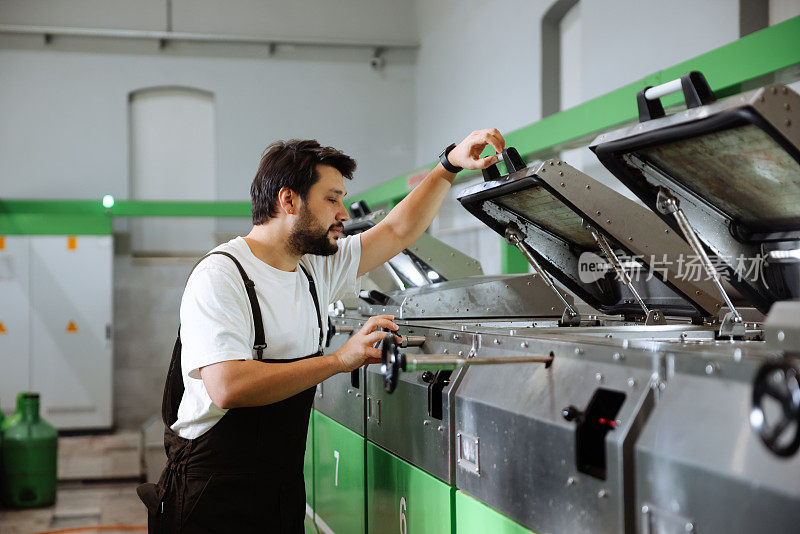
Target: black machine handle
[779, 380]
[392, 362]
[696, 92]
[359, 209]
[514, 163]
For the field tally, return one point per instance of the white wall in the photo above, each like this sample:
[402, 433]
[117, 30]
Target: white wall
[478, 67]
[64, 106]
[391, 20]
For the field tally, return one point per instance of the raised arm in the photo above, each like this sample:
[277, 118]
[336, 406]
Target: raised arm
[406, 222]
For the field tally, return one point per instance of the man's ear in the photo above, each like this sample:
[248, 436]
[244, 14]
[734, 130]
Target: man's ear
[288, 201]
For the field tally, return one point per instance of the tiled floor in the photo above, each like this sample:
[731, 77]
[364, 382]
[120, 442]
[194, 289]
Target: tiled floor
[90, 491]
[80, 505]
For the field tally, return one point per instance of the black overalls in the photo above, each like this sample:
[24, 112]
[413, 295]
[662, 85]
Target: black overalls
[243, 475]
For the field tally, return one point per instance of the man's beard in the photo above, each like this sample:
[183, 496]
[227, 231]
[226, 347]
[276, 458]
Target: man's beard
[309, 237]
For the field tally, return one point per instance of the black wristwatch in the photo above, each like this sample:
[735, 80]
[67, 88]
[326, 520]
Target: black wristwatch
[446, 163]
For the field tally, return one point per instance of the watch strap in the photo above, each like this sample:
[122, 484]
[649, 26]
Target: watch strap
[446, 163]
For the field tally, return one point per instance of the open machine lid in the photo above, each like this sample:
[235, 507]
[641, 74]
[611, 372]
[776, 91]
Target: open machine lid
[559, 212]
[732, 167]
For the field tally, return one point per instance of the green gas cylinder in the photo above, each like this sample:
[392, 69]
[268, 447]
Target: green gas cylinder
[30, 446]
[17, 415]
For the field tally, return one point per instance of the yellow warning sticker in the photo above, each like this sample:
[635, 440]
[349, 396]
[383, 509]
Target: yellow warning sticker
[2, 328]
[72, 242]
[72, 327]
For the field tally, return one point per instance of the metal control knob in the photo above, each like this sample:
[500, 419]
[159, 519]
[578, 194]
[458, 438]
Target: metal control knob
[428, 377]
[571, 413]
[777, 382]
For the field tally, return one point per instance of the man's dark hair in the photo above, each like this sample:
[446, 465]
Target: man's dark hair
[292, 164]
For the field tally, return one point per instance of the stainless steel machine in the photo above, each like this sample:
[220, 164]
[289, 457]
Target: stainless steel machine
[632, 382]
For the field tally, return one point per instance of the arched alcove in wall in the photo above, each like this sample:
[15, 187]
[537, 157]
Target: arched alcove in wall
[172, 158]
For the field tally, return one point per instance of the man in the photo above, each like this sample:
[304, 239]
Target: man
[251, 334]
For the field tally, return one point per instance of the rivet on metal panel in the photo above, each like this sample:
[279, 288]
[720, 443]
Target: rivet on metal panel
[358, 395]
[603, 493]
[445, 351]
[588, 186]
[645, 509]
[440, 428]
[661, 385]
[524, 344]
[781, 335]
[711, 368]
[632, 382]
[561, 173]
[599, 377]
[788, 122]
[666, 231]
[455, 336]
[563, 184]
[571, 481]
[496, 341]
[528, 283]
[689, 527]
[551, 162]
[507, 286]
[578, 351]
[422, 311]
[461, 353]
[608, 221]
[559, 163]
[625, 343]
[438, 299]
[617, 356]
[426, 422]
[630, 238]
[597, 213]
[349, 391]
[436, 334]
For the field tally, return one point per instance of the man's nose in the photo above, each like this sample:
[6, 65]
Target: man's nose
[343, 215]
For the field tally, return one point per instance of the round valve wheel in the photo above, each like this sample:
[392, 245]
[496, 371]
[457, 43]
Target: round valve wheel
[777, 383]
[392, 362]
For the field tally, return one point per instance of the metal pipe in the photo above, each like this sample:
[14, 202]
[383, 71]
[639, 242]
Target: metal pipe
[667, 204]
[513, 237]
[201, 37]
[444, 362]
[413, 341]
[606, 248]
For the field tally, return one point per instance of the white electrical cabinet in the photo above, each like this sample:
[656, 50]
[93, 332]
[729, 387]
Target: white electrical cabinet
[69, 320]
[15, 351]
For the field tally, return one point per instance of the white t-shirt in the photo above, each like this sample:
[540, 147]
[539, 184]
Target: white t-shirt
[217, 323]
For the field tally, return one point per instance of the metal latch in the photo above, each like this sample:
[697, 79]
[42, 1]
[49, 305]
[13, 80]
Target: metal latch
[469, 452]
[374, 415]
[656, 520]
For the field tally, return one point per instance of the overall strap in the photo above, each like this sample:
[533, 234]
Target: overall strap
[313, 289]
[258, 323]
